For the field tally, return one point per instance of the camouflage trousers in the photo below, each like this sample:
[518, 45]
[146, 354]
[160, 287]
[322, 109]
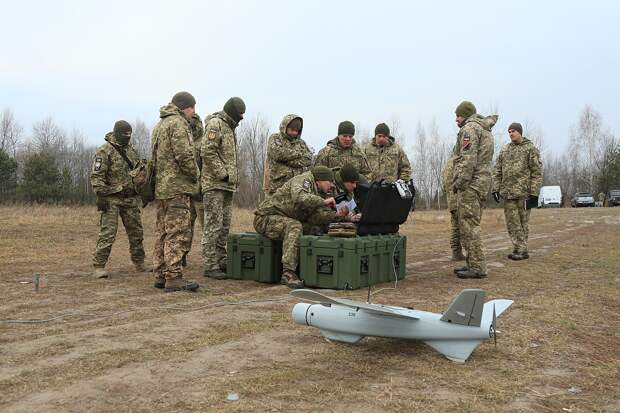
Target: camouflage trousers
[455, 233]
[517, 219]
[217, 215]
[285, 229]
[197, 211]
[173, 231]
[469, 208]
[129, 212]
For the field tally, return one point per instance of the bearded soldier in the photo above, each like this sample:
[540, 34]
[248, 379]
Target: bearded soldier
[344, 150]
[387, 160]
[447, 176]
[287, 154]
[116, 195]
[517, 179]
[299, 205]
[176, 182]
[220, 179]
[471, 183]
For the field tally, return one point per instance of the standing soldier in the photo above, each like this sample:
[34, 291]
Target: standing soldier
[471, 182]
[176, 182]
[601, 199]
[344, 150]
[296, 206]
[287, 154]
[517, 179]
[197, 208]
[116, 196]
[386, 158]
[220, 179]
[447, 177]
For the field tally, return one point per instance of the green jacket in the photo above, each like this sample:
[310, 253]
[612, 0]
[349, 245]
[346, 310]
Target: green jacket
[300, 199]
[387, 162]
[518, 170]
[286, 157]
[219, 154]
[333, 155]
[176, 171]
[474, 154]
[110, 173]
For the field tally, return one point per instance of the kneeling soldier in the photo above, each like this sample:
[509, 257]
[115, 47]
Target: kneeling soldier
[116, 196]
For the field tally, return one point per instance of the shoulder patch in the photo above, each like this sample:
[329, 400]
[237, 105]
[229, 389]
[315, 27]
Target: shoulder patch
[97, 165]
[307, 185]
[212, 133]
[466, 140]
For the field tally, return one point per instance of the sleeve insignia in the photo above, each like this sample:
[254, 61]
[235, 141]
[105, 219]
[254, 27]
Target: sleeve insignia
[212, 134]
[307, 185]
[466, 141]
[98, 161]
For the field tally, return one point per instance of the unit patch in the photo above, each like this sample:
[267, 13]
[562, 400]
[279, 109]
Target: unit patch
[212, 134]
[466, 141]
[98, 162]
[307, 185]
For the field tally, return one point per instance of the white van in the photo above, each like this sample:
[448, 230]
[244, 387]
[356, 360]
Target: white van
[550, 197]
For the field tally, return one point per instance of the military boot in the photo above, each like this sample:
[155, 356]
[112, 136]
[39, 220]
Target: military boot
[179, 284]
[215, 274]
[184, 261]
[291, 280]
[459, 269]
[457, 256]
[526, 255]
[517, 256]
[140, 267]
[160, 281]
[223, 266]
[100, 272]
[471, 274]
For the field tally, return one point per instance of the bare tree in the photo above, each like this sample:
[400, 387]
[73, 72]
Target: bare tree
[141, 139]
[47, 136]
[10, 132]
[252, 138]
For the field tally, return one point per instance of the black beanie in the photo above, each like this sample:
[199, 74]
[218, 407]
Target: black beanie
[183, 100]
[516, 126]
[348, 173]
[122, 128]
[235, 108]
[382, 129]
[346, 128]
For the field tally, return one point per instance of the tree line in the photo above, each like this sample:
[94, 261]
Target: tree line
[52, 165]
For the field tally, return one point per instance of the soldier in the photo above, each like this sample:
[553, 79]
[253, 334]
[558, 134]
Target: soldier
[471, 182]
[345, 182]
[386, 158]
[176, 182]
[287, 154]
[447, 176]
[220, 179]
[344, 150]
[601, 199]
[196, 208]
[294, 208]
[116, 196]
[517, 179]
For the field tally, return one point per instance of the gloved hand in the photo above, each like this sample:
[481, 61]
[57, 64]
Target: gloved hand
[496, 196]
[532, 201]
[102, 204]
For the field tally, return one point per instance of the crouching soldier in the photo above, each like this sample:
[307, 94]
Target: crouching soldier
[346, 180]
[296, 206]
[116, 195]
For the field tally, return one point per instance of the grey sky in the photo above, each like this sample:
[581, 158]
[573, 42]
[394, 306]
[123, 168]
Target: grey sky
[87, 64]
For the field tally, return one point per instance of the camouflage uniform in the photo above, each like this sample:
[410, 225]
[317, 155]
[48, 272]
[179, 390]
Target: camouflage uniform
[176, 182]
[294, 208]
[111, 182]
[197, 208]
[220, 179]
[333, 155]
[518, 174]
[286, 157]
[601, 199]
[387, 162]
[339, 187]
[447, 177]
[472, 180]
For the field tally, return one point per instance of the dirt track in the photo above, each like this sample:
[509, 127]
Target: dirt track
[121, 345]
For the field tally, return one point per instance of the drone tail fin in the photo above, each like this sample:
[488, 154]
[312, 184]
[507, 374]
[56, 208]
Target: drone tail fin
[455, 350]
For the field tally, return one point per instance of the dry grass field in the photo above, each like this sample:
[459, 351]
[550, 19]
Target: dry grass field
[121, 345]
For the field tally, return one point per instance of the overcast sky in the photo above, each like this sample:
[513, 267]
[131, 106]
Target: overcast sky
[87, 64]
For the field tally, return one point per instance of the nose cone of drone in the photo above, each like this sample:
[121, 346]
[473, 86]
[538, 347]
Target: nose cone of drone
[300, 314]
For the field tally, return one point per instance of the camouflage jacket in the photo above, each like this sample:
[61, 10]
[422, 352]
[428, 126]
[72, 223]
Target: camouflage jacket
[474, 155]
[447, 177]
[518, 170]
[286, 157]
[333, 155]
[219, 154]
[195, 126]
[110, 173]
[176, 172]
[339, 187]
[387, 162]
[300, 199]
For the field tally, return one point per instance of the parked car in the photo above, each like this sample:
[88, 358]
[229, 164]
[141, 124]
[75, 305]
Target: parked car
[582, 199]
[550, 197]
[613, 197]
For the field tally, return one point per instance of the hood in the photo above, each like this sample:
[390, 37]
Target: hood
[391, 141]
[525, 141]
[335, 142]
[487, 123]
[112, 139]
[169, 110]
[285, 122]
[224, 116]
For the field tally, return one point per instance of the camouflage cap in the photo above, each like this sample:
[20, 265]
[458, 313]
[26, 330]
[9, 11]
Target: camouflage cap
[183, 100]
[465, 109]
[322, 173]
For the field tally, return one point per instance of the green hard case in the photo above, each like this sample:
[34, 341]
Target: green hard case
[251, 256]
